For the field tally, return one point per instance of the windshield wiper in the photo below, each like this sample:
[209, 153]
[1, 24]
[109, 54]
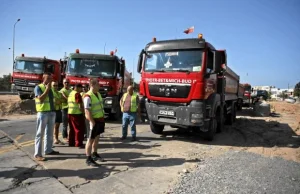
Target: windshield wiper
[157, 70]
[182, 70]
[79, 75]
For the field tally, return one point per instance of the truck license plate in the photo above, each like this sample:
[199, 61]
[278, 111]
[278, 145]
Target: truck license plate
[24, 88]
[167, 112]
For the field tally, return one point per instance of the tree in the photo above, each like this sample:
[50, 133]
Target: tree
[297, 90]
[5, 83]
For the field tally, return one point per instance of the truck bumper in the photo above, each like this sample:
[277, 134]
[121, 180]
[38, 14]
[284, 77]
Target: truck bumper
[191, 115]
[23, 89]
[111, 103]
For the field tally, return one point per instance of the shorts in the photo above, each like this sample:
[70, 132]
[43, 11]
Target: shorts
[97, 129]
[58, 116]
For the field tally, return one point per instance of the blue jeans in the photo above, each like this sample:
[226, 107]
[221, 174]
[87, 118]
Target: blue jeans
[44, 127]
[128, 118]
[65, 122]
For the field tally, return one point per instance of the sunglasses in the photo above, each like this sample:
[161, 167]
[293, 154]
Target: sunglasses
[66, 82]
[55, 85]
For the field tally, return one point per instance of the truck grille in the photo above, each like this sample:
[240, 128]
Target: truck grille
[169, 91]
[23, 82]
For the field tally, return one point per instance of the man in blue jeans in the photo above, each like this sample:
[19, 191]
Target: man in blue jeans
[130, 107]
[44, 104]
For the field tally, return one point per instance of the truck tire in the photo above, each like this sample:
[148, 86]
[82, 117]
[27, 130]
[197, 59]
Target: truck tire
[234, 112]
[156, 129]
[25, 96]
[220, 120]
[209, 135]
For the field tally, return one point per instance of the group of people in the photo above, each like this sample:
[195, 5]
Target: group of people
[81, 109]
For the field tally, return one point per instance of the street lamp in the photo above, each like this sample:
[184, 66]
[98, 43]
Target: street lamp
[14, 41]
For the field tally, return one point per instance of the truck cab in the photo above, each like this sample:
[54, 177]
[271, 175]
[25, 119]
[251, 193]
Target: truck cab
[108, 69]
[183, 84]
[28, 72]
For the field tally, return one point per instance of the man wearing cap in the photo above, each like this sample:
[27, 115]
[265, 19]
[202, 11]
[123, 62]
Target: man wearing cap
[94, 112]
[130, 107]
[65, 91]
[76, 117]
[44, 105]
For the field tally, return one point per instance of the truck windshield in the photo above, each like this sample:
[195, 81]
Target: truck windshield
[29, 67]
[92, 67]
[190, 61]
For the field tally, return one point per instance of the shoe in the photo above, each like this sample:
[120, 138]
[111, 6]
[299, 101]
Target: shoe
[122, 138]
[39, 158]
[91, 162]
[133, 139]
[96, 156]
[53, 153]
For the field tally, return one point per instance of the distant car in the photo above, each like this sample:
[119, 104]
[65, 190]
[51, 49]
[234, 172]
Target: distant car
[290, 100]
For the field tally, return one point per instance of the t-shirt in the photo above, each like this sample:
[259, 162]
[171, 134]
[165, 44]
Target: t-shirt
[38, 92]
[88, 104]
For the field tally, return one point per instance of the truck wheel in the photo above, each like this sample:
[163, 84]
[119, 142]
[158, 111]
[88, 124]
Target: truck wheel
[155, 128]
[209, 135]
[24, 96]
[220, 120]
[229, 119]
[234, 113]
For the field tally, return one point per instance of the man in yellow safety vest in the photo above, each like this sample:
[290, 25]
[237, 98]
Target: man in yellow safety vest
[44, 105]
[65, 91]
[130, 107]
[94, 113]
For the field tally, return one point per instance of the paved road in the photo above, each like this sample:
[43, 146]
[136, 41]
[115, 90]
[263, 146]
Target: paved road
[151, 165]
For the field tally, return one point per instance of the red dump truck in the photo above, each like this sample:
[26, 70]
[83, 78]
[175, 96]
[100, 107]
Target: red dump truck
[247, 94]
[28, 72]
[108, 69]
[186, 83]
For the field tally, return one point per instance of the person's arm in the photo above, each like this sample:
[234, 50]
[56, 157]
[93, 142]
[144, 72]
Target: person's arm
[64, 96]
[87, 110]
[41, 96]
[78, 100]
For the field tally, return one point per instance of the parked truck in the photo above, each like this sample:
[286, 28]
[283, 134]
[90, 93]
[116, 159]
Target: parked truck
[247, 95]
[186, 83]
[108, 69]
[28, 72]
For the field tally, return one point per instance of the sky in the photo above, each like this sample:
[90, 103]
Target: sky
[261, 37]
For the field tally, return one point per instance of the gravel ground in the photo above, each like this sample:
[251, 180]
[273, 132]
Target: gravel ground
[242, 172]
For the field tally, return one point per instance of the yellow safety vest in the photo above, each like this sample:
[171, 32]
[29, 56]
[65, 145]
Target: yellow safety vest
[67, 93]
[82, 93]
[96, 105]
[45, 105]
[133, 104]
[57, 96]
[74, 108]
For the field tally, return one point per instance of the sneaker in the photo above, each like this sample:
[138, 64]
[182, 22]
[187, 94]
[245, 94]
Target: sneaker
[91, 162]
[122, 138]
[96, 156]
[53, 153]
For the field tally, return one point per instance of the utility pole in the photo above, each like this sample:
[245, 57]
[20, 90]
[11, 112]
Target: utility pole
[133, 72]
[14, 40]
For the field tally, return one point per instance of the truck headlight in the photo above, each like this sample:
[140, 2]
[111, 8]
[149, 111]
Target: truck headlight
[108, 101]
[196, 116]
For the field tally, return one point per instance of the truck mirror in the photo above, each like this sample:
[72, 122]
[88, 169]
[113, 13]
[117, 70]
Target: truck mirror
[122, 69]
[140, 61]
